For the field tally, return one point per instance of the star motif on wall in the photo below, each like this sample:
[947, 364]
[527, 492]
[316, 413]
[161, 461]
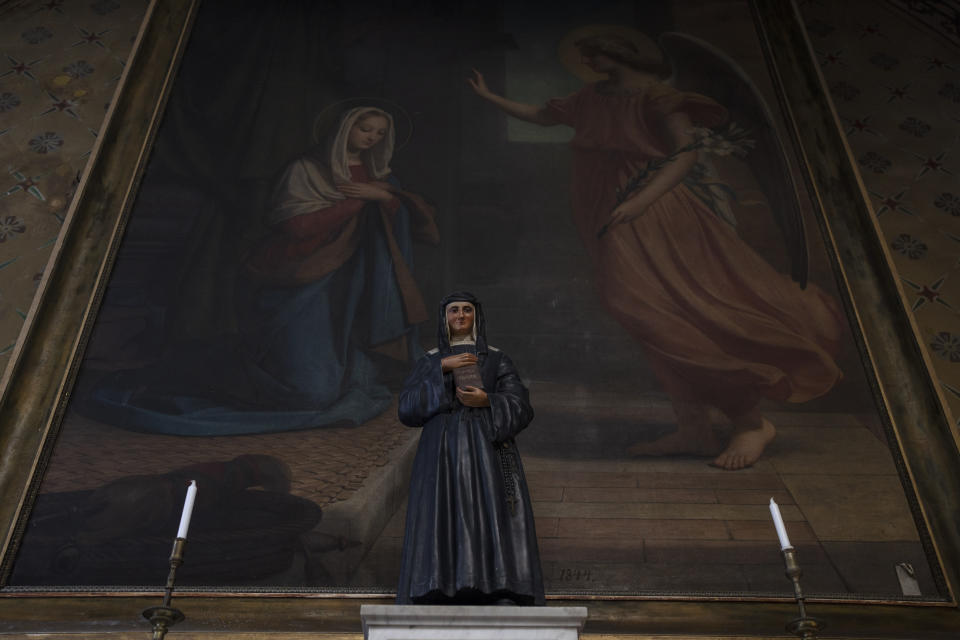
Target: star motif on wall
[858, 125]
[927, 293]
[897, 93]
[25, 183]
[89, 37]
[955, 392]
[21, 68]
[870, 30]
[932, 163]
[891, 203]
[930, 294]
[61, 104]
[935, 62]
[831, 58]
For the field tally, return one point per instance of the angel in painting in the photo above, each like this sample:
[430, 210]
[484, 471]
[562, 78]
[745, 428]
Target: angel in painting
[721, 327]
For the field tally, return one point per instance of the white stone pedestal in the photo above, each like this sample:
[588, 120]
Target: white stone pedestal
[418, 622]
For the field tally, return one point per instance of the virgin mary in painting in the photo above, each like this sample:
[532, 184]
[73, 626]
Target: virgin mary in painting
[329, 285]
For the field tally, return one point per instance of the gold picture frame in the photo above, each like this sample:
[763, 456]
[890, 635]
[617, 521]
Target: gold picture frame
[44, 367]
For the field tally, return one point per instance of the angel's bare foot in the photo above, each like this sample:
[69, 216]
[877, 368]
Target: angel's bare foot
[746, 445]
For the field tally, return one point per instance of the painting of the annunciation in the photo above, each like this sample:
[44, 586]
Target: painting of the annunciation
[616, 181]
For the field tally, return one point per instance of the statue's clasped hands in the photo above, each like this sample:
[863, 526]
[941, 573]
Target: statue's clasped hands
[468, 396]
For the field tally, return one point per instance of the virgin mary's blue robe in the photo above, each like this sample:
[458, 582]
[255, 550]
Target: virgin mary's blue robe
[302, 358]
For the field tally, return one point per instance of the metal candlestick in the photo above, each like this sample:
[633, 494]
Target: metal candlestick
[805, 626]
[165, 616]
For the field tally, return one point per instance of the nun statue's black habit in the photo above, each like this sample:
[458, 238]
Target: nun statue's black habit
[469, 536]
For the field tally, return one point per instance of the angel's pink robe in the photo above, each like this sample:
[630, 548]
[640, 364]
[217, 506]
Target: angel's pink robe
[719, 324]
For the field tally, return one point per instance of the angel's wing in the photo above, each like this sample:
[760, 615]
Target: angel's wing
[701, 68]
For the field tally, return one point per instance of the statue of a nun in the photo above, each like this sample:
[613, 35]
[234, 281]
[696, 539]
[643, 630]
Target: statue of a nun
[469, 536]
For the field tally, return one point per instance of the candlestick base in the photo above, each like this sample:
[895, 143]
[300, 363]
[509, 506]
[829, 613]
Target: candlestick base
[162, 618]
[165, 616]
[806, 628]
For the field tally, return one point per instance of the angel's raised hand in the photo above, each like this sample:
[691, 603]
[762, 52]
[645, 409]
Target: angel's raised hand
[479, 84]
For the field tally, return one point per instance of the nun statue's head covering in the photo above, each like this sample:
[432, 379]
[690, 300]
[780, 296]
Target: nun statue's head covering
[479, 327]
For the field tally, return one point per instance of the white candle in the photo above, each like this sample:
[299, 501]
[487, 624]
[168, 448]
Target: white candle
[187, 510]
[778, 523]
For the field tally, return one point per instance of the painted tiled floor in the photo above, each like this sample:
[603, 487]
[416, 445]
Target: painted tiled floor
[327, 465]
[678, 525]
[605, 522]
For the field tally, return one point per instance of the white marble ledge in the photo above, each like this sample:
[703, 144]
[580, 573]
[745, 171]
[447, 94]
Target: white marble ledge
[417, 622]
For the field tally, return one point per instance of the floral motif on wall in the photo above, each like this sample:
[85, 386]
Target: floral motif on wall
[946, 345]
[46, 142]
[949, 203]
[874, 161]
[50, 108]
[913, 248]
[36, 35]
[8, 101]
[11, 226]
[915, 126]
[899, 83]
[78, 69]
[950, 90]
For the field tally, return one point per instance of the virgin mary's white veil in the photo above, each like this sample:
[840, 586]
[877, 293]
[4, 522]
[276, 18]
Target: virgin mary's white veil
[377, 159]
[310, 184]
